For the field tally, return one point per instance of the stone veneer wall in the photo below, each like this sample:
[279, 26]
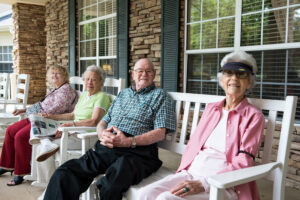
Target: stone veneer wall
[144, 33]
[29, 40]
[293, 174]
[57, 33]
[181, 44]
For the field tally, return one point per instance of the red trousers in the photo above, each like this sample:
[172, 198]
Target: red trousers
[16, 151]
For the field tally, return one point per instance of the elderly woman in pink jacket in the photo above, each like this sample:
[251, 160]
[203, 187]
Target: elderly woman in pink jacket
[227, 138]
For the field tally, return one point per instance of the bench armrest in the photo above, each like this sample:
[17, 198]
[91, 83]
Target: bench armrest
[64, 138]
[87, 135]
[10, 101]
[237, 177]
[77, 128]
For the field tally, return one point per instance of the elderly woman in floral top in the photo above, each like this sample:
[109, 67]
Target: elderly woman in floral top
[16, 151]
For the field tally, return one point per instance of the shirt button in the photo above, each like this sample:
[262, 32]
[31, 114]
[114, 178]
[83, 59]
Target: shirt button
[227, 135]
[238, 192]
[228, 122]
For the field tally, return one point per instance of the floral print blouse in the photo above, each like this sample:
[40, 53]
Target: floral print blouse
[58, 101]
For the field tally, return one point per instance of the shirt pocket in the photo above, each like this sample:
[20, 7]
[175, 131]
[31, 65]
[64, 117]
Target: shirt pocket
[142, 113]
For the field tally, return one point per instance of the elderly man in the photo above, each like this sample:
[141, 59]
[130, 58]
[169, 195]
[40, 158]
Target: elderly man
[126, 151]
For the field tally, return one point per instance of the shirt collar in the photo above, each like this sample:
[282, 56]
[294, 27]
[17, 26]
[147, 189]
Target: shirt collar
[143, 90]
[239, 108]
[60, 86]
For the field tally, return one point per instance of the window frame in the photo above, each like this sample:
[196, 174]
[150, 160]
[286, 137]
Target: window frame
[96, 20]
[9, 61]
[237, 39]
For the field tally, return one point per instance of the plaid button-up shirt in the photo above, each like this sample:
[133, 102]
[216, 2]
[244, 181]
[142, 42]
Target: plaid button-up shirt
[139, 112]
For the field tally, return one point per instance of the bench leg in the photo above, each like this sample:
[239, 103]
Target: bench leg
[216, 194]
[32, 176]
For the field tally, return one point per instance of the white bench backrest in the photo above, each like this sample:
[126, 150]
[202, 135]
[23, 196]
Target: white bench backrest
[113, 86]
[4, 85]
[22, 90]
[187, 105]
[78, 83]
[4, 89]
[189, 108]
[275, 111]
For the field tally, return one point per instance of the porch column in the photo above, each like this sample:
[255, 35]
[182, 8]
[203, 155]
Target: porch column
[29, 41]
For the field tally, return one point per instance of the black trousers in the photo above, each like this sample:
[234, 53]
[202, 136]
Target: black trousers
[123, 167]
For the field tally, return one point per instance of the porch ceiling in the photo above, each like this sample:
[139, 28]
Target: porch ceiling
[35, 2]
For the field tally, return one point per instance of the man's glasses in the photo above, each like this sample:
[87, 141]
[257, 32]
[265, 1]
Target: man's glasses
[241, 75]
[140, 72]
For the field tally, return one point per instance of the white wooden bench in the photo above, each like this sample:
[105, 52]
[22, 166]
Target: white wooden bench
[189, 108]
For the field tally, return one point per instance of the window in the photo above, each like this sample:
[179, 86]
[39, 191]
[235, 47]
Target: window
[97, 35]
[268, 29]
[6, 59]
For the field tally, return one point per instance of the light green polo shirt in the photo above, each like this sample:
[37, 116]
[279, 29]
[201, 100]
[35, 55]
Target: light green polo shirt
[86, 105]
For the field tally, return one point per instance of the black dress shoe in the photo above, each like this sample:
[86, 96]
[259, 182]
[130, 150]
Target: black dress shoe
[2, 171]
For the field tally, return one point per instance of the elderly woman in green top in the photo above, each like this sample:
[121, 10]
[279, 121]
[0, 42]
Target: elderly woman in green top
[91, 107]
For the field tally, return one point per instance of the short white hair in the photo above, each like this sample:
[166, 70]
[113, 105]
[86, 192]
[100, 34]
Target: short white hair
[242, 57]
[98, 70]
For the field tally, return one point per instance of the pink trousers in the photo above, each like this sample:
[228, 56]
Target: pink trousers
[16, 151]
[159, 190]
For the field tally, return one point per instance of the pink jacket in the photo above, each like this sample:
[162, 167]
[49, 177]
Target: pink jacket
[245, 126]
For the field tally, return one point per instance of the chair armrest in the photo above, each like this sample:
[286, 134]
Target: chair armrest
[64, 139]
[64, 121]
[11, 101]
[23, 116]
[87, 135]
[87, 140]
[77, 128]
[237, 177]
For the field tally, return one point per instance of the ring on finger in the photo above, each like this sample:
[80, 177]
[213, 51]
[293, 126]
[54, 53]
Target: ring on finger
[186, 189]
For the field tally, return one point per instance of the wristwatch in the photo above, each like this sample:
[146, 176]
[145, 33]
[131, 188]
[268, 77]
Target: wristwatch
[133, 143]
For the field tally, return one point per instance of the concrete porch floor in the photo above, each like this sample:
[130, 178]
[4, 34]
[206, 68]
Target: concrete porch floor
[27, 192]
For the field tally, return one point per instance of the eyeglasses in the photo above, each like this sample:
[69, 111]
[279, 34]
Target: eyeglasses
[140, 72]
[241, 75]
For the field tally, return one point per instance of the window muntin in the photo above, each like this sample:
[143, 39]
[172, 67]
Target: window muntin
[294, 26]
[264, 31]
[208, 24]
[265, 22]
[97, 34]
[226, 33]
[6, 59]
[87, 9]
[107, 37]
[85, 63]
